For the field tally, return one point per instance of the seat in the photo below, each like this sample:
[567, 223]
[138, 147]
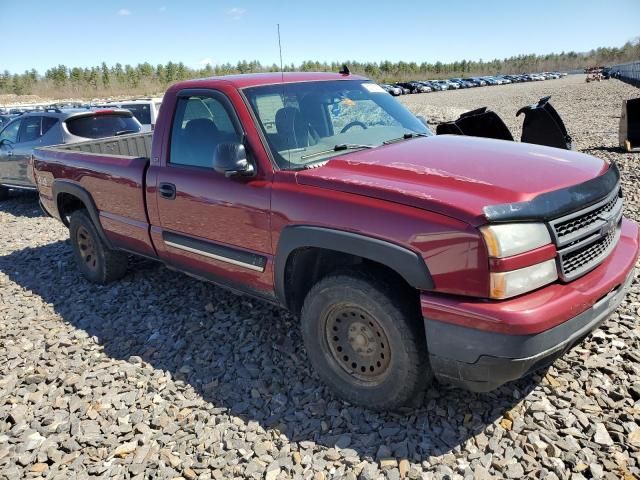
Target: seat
[201, 137]
[293, 130]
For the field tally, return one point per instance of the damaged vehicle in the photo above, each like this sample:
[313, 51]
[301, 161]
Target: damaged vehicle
[408, 257]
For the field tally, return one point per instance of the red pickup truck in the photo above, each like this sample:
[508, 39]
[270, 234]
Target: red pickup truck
[407, 256]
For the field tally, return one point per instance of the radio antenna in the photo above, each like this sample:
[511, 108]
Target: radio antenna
[280, 49]
[282, 82]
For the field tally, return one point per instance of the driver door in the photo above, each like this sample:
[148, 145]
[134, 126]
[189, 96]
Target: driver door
[211, 225]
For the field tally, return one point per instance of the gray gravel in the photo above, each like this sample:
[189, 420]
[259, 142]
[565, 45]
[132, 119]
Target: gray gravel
[161, 376]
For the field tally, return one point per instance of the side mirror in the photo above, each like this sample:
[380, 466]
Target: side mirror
[230, 159]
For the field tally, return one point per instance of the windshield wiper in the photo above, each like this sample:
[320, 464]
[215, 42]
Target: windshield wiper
[123, 132]
[338, 148]
[406, 136]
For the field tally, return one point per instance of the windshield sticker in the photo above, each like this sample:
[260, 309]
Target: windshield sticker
[373, 87]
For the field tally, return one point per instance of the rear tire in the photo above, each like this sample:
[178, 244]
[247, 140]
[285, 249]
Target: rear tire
[365, 341]
[94, 259]
[4, 193]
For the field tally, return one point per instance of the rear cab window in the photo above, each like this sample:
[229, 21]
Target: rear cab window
[102, 125]
[267, 107]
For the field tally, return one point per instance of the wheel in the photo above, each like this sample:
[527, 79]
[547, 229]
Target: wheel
[95, 260]
[4, 193]
[365, 341]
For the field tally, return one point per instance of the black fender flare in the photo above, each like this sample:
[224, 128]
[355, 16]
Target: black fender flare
[407, 263]
[65, 186]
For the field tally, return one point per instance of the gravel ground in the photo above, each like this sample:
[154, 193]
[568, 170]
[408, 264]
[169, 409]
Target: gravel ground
[161, 376]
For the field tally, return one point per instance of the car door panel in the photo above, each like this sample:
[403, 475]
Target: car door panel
[35, 131]
[8, 141]
[211, 224]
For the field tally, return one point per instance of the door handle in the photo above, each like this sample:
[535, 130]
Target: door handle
[167, 190]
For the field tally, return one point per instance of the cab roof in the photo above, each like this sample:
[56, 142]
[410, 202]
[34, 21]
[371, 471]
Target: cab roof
[257, 79]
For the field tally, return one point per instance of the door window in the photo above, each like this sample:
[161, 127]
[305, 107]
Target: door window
[31, 129]
[47, 124]
[10, 132]
[200, 124]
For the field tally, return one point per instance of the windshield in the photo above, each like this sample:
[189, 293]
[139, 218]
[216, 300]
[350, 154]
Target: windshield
[311, 122]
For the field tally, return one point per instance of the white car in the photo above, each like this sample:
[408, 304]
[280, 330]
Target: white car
[442, 83]
[144, 109]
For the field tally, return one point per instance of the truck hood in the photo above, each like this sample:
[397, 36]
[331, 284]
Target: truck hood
[455, 175]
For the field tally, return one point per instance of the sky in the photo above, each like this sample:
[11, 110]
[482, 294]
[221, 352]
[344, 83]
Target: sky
[44, 33]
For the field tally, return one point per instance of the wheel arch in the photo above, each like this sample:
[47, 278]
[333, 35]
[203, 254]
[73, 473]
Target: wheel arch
[300, 244]
[70, 196]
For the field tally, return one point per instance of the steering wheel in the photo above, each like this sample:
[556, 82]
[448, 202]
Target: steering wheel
[355, 123]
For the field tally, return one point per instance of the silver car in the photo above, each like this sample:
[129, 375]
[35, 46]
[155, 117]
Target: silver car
[31, 130]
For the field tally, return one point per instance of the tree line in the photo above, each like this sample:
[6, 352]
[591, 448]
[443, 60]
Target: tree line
[145, 79]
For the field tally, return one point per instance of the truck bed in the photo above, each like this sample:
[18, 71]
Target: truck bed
[136, 145]
[113, 172]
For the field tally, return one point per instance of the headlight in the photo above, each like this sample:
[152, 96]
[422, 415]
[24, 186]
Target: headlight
[510, 239]
[515, 282]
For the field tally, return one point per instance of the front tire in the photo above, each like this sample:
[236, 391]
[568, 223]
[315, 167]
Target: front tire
[366, 341]
[94, 259]
[4, 193]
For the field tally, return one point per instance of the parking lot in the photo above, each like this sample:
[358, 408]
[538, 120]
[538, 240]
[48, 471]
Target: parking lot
[163, 376]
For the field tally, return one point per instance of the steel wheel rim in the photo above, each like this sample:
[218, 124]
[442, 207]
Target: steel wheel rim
[87, 248]
[358, 343]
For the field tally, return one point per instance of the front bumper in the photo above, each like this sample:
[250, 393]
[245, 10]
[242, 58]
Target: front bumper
[480, 352]
[501, 358]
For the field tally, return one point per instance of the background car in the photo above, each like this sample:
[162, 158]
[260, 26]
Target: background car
[4, 119]
[391, 89]
[441, 83]
[477, 81]
[434, 86]
[413, 87]
[426, 87]
[462, 83]
[491, 80]
[145, 110]
[23, 133]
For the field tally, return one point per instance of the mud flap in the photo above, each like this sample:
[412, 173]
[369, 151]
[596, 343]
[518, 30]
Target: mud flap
[543, 126]
[630, 125]
[477, 123]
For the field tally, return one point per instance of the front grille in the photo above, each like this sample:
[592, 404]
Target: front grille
[585, 238]
[584, 258]
[575, 225]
